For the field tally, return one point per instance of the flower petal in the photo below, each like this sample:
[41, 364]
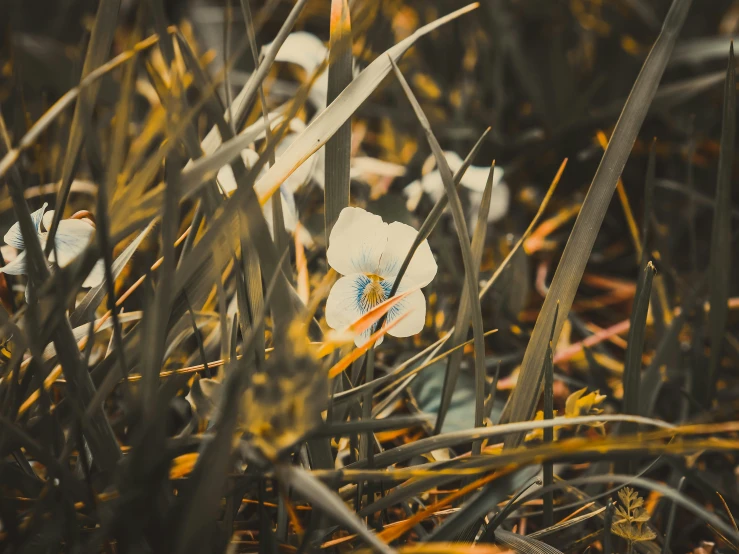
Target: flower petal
[303, 49]
[342, 305]
[46, 219]
[415, 306]
[422, 268]
[499, 202]
[475, 178]
[14, 237]
[289, 209]
[357, 241]
[71, 239]
[17, 266]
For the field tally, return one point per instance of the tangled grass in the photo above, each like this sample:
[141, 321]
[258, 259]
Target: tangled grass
[176, 375]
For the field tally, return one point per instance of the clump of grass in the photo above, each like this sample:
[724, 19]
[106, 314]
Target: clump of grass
[175, 384]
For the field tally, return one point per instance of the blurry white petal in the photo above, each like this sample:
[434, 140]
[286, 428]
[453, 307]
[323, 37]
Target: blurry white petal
[303, 49]
[413, 193]
[499, 202]
[14, 237]
[364, 165]
[422, 268]
[289, 212]
[17, 266]
[46, 219]
[475, 178]
[225, 176]
[307, 51]
[415, 306]
[72, 237]
[357, 242]
[454, 161]
[433, 185]
[431, 181]
[289, 209]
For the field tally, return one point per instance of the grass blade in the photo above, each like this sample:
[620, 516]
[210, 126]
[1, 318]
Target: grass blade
[470, 268]
[577, 251]
[720, 268]
[607, 523]
[468, 517]
[548, 467]
[461, 327]
[329, 502]
[524, 545]
[633, 358]
[94, 296]
[98, 49]
[530, 229]
[450, 440]
[333, 117]
[671, 519]
[12, 155]
[338, 147]
[81, 390]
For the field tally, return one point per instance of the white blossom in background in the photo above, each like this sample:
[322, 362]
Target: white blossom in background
[301, 176]
[368, 253]
[71, 239]
[474, 181]
[308, 52]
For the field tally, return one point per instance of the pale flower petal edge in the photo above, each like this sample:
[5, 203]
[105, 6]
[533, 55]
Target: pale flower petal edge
[357, 242]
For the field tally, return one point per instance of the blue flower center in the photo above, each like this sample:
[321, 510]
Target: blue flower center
[371, 290]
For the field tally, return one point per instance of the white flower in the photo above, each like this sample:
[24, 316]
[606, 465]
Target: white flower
[227, 181]
[71, 239]
[474, 180]
[307, 51]
[369, 253]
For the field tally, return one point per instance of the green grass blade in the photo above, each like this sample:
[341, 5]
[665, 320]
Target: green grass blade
[651, 380]
[333, 117]
[720, 268]
[338, 147]
[101, 39]
[12, 155]
[467, 520]
[544, 203]
[635, 347]
[243, 100]
[470, 267]
[281, 236]
[97, 430]
[94, 296]
[450, 440]
[461, 326]
[607, 523]
[326, 500]
[548, 467]
[434, 215]
[577, 251]
[671, 519]
[158, 316]
[523, 544]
